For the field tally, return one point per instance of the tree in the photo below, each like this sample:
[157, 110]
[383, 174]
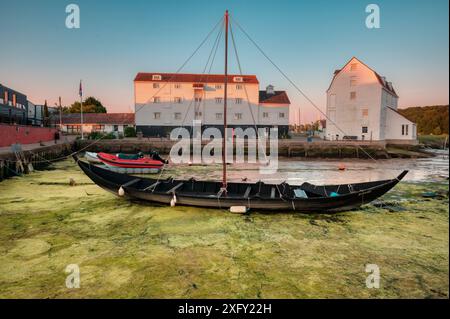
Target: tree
[46, 114]
[90, 105]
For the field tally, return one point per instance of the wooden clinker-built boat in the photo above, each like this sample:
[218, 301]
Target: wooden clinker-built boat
[274, 197]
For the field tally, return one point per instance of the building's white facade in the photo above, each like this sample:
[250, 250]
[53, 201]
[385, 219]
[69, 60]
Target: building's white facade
[362, 105]
[94, 122]
[167, 101]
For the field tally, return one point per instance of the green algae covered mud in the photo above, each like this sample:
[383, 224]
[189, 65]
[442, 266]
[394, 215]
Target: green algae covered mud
[129, 249]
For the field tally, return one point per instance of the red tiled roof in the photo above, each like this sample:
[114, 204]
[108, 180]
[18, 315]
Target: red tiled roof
[279, 97]
[194, 78]
[97, 118]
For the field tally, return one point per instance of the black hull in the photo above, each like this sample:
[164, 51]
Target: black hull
[257, 196]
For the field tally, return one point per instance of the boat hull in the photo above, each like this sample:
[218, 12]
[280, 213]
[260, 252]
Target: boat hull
[131, 170]
[265, 200]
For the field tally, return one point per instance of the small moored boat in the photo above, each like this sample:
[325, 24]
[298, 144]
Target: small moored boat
[130, 165]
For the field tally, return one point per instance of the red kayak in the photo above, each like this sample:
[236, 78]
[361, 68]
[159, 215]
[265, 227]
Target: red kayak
[143, 162]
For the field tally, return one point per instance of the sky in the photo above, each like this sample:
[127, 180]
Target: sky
[308, 40]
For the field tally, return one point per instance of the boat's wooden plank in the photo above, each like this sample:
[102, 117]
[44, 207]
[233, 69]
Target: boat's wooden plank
[175, 188]
[247, 191]
[132, 182]
[153, 186]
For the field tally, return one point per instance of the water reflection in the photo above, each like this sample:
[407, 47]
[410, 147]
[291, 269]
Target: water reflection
[319, 171]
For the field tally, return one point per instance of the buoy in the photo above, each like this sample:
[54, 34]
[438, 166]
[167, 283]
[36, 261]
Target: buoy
[173, 201]
[238, 209]
[121, 191]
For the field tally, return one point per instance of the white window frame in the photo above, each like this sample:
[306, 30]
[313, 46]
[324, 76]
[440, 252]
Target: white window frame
[156, 77]
[238, 100]
[156, 115]
[177, 100]
[156, 99]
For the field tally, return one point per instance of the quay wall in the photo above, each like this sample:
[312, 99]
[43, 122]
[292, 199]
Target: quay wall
[22, 134]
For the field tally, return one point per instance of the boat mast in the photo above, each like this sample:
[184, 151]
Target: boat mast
[224, 164]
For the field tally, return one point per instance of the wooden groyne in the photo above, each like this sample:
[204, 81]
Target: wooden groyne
[19, 163]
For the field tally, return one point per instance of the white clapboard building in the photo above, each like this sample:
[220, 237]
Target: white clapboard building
[362, 105]
[164, 101]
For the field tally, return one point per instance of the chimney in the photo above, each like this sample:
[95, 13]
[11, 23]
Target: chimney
[269, 90]
[383, 78]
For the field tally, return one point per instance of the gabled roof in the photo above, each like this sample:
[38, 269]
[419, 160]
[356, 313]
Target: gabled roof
[98, 118]
[279, 97]
[394, 110]
[379, 77]
[195, 78]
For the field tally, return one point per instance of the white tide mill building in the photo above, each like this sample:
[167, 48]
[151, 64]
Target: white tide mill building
[363, 106]
[164, 101]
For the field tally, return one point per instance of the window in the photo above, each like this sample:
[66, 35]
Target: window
[156, 85]
[238, 79]
[365, 112]
[354, 67]
[6, 97]
[238, 116]
[177, 100]
[239, 87]
[156, 77]
[177, 86]
[281, 115]
[198, 99]
[403, 129]
[365, 129]
[73, 129]
[265, 115]
[353, 81]
[218, 116]
[198, 115]
[177, 116]
[156, 115]
[238, 100]
[156, 99]
[352, 95]
[219, 100]
[406, 129]
[98, 128]
[14, 100]
[218, 87]
[116, 128]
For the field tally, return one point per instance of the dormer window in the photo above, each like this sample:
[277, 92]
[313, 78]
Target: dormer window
[156, 77]
[238, 79]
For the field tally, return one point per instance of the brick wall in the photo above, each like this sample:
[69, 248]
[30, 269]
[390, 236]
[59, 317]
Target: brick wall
[10, 134]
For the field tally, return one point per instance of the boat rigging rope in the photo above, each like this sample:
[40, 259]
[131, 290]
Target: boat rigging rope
[292, 83]
[245, 90]
[185, 62]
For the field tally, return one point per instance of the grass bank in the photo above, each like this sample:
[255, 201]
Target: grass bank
[132, 250]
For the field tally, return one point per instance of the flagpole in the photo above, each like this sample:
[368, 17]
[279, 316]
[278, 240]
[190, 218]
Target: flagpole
[81, 109]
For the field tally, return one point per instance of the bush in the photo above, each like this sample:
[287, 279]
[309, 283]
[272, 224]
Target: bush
[130, 131]
[101, 135]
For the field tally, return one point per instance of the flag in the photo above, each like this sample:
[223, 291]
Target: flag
[81, 90]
